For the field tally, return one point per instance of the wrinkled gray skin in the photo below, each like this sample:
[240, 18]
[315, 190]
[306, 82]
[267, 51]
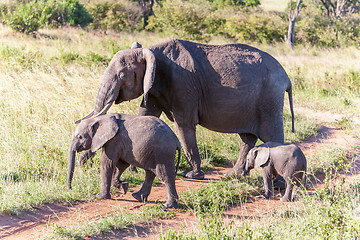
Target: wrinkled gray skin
[231, 88]
[141, 141]
[286, 160]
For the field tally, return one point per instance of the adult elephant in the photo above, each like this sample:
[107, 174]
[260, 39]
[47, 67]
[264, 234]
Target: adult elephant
[230, 88]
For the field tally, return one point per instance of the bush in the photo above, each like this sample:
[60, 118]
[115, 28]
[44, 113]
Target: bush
[256, 26]
[29, 17]
[118, 16]
[315, 28]
[61, 12]
[183, 19]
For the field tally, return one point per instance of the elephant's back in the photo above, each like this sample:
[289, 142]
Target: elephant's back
[150, 130]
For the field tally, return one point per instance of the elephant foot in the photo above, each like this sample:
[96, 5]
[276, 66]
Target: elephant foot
[123, 186]
[104, 196]
[267, 196]
[171, 204]
[140, 197]
[285, 199]
[233, 173]
[194, 175]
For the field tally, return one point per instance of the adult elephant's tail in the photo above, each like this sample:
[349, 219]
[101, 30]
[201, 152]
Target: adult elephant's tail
[289, 91]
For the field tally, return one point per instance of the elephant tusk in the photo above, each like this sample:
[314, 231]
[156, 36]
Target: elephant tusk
[87, 116]
[105, 109]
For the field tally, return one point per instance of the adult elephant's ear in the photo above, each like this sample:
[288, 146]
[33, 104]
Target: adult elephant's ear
[102, 131]
[149, 77]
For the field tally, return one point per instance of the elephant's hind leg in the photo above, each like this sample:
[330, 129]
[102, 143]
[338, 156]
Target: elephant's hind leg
[167, 175]
[116, 182]
[145, 190]
[288, 192]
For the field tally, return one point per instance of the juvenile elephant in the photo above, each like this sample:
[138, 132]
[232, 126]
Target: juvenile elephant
[142, 141]
[286, 160]
[231, 88]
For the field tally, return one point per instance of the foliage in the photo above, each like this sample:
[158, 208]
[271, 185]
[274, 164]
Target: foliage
[183, 19]
[116, 15]
[317, 29]
[25, 19]
[29, 17]
[255, 26]
[61, 12]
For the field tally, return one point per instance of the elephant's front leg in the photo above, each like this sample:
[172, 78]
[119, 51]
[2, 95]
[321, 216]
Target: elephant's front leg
[188, 140]
[248, 142]
[268, 187]
[145, 190]
[85, 155]
[106, 170]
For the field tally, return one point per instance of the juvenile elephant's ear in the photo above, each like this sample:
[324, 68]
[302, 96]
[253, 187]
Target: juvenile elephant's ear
[262, 156]
[149, 77]
[103, 130]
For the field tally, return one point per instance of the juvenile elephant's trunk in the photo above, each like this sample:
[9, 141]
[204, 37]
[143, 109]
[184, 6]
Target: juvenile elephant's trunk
[72, 153]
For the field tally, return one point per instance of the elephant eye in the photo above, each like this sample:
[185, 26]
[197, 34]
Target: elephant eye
[135, 75]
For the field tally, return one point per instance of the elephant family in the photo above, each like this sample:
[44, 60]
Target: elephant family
[286, 160]
[142, 141]
[231, 88]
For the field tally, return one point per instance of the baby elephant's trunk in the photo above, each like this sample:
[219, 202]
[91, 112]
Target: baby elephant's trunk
[72, 154]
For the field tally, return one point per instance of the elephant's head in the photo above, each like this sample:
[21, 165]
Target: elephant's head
[91, 134]
[257, 157]
[130, 73]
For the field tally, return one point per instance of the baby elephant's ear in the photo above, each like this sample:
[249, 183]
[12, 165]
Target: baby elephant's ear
[262, 156]
[103, 130]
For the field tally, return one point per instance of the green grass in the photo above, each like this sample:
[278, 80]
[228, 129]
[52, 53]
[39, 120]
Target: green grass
[108, 224]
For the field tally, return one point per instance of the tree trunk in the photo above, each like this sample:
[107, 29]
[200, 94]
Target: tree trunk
[290, 39]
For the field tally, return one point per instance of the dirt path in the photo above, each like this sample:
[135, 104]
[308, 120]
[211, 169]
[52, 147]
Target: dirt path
[36, 224]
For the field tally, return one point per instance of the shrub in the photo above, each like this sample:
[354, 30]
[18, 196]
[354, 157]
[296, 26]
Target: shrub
[118, 16]
[315, 28]
[183, 19]
[256, 26]
[29, 17]
[25, 19]
[60, 12]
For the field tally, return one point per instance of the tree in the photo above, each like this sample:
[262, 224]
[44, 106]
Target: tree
[290, 39]
[339, 8]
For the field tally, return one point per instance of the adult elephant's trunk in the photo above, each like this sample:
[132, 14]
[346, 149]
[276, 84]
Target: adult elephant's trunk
[72, 153]
[105, 98]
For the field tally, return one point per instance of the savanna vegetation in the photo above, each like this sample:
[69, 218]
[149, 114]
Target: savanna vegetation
[52, 57]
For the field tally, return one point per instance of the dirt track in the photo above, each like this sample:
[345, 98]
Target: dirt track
[36, 224]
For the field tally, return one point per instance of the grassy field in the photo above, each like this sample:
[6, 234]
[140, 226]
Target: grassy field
[49, 81]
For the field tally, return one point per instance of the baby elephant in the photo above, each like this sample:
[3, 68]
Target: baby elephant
[141, 141]
[286, 160]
